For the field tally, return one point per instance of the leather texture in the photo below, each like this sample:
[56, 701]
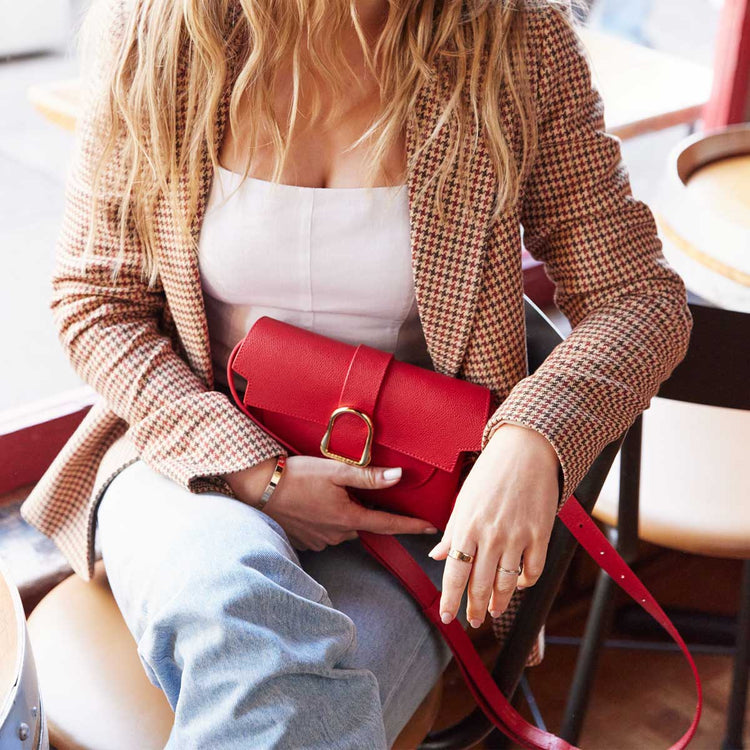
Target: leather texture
[296, 378]
[145, 349]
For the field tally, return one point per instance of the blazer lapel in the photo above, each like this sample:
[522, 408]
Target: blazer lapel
[446, 259]
[179, 270]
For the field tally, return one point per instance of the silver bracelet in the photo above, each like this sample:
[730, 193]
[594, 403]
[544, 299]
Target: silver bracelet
[273, 482]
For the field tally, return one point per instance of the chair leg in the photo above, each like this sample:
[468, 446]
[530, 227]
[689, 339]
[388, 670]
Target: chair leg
[738, 696]
[625, 539]
[597, 624]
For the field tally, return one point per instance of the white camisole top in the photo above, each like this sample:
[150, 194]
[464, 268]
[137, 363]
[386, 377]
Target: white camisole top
[336, 261]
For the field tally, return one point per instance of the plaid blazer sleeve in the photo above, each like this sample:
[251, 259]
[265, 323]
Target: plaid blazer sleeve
[110, 325]
[626, 305]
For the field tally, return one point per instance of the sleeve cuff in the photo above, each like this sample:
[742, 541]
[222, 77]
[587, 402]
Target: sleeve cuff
[198, 439]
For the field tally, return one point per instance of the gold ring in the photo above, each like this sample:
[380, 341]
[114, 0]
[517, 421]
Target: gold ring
[458, 555]
[512, 572]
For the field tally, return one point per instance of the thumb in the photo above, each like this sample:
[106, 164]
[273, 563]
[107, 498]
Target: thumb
[367, 477]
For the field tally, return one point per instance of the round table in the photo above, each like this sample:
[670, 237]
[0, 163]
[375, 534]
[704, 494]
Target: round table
[703, 215]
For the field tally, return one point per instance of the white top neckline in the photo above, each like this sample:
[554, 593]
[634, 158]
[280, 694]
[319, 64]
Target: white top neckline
[336, 261]
[236, 176]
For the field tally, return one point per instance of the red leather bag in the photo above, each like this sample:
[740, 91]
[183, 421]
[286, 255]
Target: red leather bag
[322, 397]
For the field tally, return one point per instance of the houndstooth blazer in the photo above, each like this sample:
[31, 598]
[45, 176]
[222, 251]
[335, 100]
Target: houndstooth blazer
[146, 351]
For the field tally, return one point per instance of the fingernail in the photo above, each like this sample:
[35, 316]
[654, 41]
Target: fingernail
[430, 530]
[520, 588]
[431, 553]
[446, 617]
[495, 612]
[390, 474]
[475, 623]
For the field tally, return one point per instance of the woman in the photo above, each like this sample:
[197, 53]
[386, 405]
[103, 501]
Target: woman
[272, 627]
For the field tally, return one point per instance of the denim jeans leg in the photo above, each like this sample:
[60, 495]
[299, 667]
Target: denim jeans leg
[244, 643]
[395, 640]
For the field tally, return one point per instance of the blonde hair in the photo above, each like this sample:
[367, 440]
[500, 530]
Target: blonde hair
[165, 63]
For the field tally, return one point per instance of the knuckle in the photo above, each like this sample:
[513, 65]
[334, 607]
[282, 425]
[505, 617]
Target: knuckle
[536, 534]
[454, 578]
[345, 473]
[390, 527]
[480, 590]
[370, 476]
[533, 571]
[504, 585]
[350, 518]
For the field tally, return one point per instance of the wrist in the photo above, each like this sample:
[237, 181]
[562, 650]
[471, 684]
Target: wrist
[528, 432]
[249, 484]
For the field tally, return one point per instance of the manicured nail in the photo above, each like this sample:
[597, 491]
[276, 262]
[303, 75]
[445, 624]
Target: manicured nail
[430, 530]
[446, 617]
[495, 612]
[390, 474]
[475, 623]
[431, 553]
[520, 588]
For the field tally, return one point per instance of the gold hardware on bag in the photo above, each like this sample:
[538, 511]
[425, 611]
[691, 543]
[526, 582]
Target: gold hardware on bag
[366, 452]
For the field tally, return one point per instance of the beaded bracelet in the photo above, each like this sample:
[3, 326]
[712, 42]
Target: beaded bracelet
[273, 482]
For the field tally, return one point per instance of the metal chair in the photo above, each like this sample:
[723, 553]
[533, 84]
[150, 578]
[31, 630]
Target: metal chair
[689, 492]
[508, 670]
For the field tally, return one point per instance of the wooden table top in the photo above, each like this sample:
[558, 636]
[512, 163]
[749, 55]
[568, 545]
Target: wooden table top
[644, 90]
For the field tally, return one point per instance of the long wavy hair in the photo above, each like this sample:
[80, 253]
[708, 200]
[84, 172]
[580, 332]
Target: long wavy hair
[156, 79]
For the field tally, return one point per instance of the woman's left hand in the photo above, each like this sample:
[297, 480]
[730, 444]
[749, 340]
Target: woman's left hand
[504, 510]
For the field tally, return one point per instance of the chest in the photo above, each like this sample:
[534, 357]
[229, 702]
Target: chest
[320, 146]
[327, 250]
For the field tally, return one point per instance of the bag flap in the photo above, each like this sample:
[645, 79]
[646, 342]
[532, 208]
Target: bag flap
[421, 413]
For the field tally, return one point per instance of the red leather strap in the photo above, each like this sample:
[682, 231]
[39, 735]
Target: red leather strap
[364, 377]
[393, 556]
[360, 390]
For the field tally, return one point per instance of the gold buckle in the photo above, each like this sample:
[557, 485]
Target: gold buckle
[365, 457]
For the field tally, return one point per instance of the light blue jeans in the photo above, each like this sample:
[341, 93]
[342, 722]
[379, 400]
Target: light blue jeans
[256, 644]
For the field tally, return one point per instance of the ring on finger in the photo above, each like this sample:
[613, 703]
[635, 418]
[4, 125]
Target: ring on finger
[516, 572]
[458, 555]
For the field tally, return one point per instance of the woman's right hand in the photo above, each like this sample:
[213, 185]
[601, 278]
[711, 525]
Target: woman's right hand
[312, 505]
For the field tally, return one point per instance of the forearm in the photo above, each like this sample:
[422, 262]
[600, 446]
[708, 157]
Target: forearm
[600, 246]
[181, 428]
[594, 384]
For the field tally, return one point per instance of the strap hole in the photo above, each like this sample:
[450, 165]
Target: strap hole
[601, 552]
